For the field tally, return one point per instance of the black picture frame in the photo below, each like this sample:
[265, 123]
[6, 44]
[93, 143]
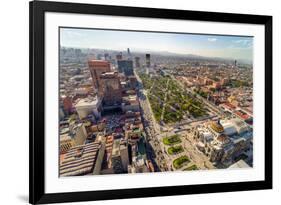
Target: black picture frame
[37, 11]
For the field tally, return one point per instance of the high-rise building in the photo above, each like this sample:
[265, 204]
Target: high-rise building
[147, 60]
[111, 88]
[97, 67]
[99, 56]
[106, 56]
[235, 63]
[126, 67]
[137, 62]
[129, 53]
[119, 56]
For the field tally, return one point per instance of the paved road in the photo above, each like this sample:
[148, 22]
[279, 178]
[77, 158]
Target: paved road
[155, 137]
[152, 128]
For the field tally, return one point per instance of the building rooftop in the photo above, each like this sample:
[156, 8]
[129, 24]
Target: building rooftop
[223, 139]
[130, 98]
[111, 74]
[229, 128]
[123, 145]
[98, 63]
[80, 160]
[64, 130]
[216, 126]
[116, 147]
[90, 101]
[65, 137]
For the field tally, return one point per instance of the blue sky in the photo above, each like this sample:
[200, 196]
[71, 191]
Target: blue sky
[205, 45]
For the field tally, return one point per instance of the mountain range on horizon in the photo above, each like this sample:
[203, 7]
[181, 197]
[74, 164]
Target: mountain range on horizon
[166, 53]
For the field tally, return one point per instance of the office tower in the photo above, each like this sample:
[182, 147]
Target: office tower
[129, 54]
[137, 62]
[97, 67]
[110, 88]
[77, 52]
[147, 60]
[99, 56]
[106, 56]
[235, 63]
[119, 56]
[126, 67]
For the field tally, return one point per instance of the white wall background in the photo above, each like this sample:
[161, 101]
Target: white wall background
[14, 44]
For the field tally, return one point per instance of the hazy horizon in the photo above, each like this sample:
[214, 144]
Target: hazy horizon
[205, 45]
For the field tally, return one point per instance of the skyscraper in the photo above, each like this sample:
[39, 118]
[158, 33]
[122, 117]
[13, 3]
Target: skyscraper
[97, 67]
[106, 56]
[99, 56]
[119, 56]
[126, 67]
[147, 60]
[129, 53]
[137, 62]
[110, 88]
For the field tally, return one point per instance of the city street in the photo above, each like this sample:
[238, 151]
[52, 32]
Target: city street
[163, 159]
[152, 128]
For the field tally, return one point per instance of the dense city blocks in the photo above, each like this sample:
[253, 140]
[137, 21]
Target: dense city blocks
[128, 111]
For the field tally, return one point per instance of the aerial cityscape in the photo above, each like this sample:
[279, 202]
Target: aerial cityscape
[138, 102]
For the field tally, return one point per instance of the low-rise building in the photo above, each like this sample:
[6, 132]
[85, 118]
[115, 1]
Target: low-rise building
[83, 160]
[130, 103]
[90, 105]
[79, 134]
[66, 142]
[116, 157]
[224, 140]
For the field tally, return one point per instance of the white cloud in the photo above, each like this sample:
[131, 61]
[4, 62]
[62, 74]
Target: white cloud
[212, 39]
[244, 43]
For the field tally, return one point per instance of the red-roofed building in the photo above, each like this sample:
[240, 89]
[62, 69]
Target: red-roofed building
[97, 67]
[242, 114]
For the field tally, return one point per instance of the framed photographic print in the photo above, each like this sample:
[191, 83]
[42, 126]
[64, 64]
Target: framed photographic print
[139, 102]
